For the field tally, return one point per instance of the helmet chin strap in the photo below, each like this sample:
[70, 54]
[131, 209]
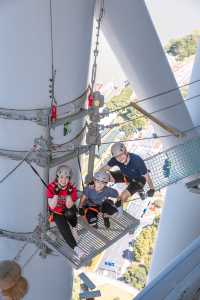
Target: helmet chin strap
[127, 158]
[62, 186]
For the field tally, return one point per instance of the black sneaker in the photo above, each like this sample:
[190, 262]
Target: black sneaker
[95, 226]
[142, 194]
[106, 222]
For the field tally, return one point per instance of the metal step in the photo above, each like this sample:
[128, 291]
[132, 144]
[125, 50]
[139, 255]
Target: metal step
[92, 241]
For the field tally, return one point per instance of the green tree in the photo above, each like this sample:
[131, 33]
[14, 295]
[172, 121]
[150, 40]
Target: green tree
[158, 203]
[143, 246]
[76, 288]
[128, 113]
[136, 275]
[156, 221]
[182, 48]
[142, 250]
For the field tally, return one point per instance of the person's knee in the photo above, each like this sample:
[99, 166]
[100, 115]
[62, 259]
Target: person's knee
[117, 176]
[108, 207]
[92, 217]
[73, 221]
[70, 213]
[125, 195]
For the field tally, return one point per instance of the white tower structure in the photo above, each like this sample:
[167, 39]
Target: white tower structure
[194, 90]
[25, 59]
[180, 223]
[132, 36]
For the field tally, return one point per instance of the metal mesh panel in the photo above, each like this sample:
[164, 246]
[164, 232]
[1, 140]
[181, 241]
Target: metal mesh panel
[184, 160]
[92, 241]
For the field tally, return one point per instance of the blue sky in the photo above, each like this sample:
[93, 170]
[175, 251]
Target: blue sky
[174, 18]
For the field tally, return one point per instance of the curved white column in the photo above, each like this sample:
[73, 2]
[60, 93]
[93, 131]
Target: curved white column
[25, 59]
[180, 223]
[132, 36]
[130, 32]
[194, 90]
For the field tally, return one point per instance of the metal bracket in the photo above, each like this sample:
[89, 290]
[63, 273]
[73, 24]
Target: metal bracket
[194, 186]
[41, 142]
[89, 294]
[93, 136]
[90, 285]
[41, 115]
[86, 288]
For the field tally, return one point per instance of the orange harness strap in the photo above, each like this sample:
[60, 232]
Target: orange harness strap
[51, 219]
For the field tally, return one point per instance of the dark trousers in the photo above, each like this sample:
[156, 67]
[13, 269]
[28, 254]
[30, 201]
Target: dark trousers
[134, 185]
[62, 223]
[107, 207]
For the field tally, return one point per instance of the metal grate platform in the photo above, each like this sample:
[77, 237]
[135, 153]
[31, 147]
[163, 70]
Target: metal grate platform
[92, 241]
[183, 160]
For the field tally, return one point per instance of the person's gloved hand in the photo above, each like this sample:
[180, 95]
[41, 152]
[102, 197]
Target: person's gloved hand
[69, 190]
[150, 192]
[81, 211]
[57, 190]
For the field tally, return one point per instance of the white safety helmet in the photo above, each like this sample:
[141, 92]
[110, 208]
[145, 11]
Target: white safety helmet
[102, 177]
[63, 171]
[117, 149]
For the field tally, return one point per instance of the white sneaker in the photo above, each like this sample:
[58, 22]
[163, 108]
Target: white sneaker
[51, 235]
[79, 252]
[75, 234]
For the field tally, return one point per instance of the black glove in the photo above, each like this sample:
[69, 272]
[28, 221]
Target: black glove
[81, 211]
[69, 190]
[150, 192]
[70, 212]
[57, 190]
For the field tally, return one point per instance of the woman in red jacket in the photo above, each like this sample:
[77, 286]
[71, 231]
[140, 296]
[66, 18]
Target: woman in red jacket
[62, 196]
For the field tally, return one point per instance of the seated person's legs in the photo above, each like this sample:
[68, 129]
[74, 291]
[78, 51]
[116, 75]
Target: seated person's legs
[71, 216]
[134, 186]
[64, 228]
[92, 216]
[125, 195]
[108, 209]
